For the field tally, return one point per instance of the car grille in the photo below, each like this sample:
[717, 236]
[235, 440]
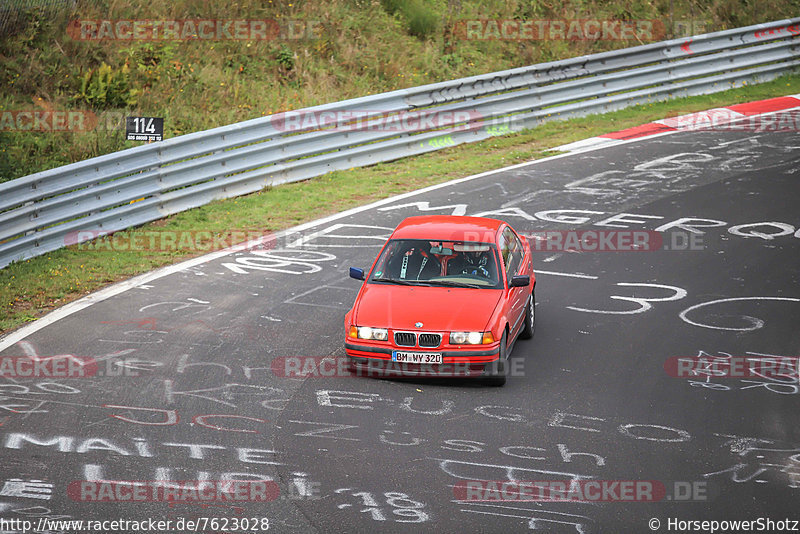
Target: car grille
[429, 340]
[405, 339]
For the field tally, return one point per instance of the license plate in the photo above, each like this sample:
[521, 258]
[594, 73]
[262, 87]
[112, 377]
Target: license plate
[416, 357]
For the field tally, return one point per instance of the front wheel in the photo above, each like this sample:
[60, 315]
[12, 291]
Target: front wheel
[530, 319]
[498, 370]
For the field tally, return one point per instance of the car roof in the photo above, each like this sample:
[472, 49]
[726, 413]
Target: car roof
[449, 228]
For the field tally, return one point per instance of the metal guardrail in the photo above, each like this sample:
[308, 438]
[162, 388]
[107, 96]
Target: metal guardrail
[47, 210]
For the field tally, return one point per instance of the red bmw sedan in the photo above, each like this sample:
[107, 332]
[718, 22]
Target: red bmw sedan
[446, 296]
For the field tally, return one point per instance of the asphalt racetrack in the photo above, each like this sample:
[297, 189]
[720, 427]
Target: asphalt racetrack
[191, 382]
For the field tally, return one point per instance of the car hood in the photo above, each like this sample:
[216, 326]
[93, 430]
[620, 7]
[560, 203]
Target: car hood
[437, 308]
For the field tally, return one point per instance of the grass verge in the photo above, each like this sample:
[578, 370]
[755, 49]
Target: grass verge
[324, 51]
[31, 288]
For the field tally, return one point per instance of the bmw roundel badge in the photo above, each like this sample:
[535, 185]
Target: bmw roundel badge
[418, 324]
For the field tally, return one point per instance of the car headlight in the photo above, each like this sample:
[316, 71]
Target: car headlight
[367, 332]
[470, 338]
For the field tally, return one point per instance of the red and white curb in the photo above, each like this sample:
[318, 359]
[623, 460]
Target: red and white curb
[718, 118]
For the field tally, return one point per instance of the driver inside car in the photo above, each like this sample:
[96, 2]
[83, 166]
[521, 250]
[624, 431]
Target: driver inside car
[470, 263]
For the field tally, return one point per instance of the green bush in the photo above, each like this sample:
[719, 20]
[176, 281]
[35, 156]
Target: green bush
[423, 22]
[285, 58]
[105, 87]
[392, 6]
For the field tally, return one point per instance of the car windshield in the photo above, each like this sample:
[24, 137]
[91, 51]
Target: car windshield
[438, 263]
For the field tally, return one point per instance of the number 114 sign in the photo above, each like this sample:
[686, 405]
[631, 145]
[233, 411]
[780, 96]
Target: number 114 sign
[144, 128]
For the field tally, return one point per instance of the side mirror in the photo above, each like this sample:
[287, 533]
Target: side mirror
[356, 273]
[520, 280]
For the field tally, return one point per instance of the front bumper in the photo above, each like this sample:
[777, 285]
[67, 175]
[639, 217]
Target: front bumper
[375, 360]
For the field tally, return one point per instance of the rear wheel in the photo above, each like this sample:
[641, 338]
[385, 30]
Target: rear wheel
[498, 376]
[530, 319]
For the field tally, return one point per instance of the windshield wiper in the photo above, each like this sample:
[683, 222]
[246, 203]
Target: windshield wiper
[456, 284]
[401, 282]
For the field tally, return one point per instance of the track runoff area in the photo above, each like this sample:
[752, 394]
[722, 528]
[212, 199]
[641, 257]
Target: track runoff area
[659, 391]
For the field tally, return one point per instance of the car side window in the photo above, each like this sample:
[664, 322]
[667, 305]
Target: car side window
[503, 244]
[519, 251]
[512, 252]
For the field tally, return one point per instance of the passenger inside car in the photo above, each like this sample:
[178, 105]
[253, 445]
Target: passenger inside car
[412, 263]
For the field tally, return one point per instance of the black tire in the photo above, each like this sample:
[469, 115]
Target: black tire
[498, 376]
[530, 319]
